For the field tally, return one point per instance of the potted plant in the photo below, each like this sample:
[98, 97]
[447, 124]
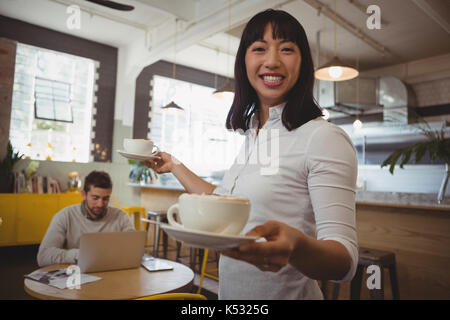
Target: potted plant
[140, 173]
[6, 169]
[437, 146]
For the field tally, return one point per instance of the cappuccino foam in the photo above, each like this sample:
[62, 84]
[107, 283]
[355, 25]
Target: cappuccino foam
[215, 197]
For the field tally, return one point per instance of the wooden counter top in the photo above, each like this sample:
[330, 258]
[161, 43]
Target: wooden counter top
[437, 207]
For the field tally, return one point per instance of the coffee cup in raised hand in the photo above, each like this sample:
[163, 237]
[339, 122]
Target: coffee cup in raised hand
[140, 146]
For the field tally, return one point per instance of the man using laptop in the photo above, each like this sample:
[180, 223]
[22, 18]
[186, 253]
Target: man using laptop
[62, 240]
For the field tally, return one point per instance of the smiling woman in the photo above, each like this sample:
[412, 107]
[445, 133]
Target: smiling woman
[305, 207]
[275, 46]
[273, 66]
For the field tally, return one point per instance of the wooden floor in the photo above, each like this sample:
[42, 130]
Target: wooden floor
[15, 262]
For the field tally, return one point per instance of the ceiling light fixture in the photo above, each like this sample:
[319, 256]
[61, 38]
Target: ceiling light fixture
[335, 70]
[173, 105]
[227, 89]
[357, 124]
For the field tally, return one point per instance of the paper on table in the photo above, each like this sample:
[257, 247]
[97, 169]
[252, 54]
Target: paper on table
[61, 278]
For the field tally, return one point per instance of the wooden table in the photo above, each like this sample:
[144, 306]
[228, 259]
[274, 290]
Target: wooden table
[118, 285]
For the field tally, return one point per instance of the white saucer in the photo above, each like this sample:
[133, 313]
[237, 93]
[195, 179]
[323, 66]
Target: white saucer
[134, 156]
[207, 240]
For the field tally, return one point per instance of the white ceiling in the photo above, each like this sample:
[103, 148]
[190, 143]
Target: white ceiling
[411, 29]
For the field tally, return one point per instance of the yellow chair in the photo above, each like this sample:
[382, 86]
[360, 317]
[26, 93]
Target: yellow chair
[138, 213]
[205, 272]
[116, 203]
[175, 296]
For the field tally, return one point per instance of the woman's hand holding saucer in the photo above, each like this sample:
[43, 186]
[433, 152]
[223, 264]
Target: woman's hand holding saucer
[162, 163]
[273, 254]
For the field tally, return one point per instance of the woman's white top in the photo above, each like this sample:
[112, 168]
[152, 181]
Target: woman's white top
[305, 178]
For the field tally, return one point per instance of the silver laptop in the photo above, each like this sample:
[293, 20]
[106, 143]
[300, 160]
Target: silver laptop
[105, 251]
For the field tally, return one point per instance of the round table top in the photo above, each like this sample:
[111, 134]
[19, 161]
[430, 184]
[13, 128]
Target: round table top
[117, 285]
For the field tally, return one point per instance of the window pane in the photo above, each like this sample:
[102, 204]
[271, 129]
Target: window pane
[63, 111]
[197, 136]
[44, 108]
[45, 80]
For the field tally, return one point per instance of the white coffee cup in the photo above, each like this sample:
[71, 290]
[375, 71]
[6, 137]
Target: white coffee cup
[140, 146]
[210, 213]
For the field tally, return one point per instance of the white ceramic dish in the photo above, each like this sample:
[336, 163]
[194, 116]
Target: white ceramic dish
[134, 156]
[207, 240]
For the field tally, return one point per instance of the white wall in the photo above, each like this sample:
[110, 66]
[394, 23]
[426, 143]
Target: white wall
[410, 179]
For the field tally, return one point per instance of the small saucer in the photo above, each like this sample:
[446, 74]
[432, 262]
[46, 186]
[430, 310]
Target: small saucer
[207, 240]
[139, 157]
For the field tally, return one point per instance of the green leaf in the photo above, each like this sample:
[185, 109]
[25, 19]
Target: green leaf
[406, 157]
[421, 149]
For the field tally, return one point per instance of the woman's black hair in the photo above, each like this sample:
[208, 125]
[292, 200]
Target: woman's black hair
[301, 106]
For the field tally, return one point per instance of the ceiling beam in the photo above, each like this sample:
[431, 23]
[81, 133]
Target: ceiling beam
[182, 9]
[437, 10]
[363, 8]
[162, 39]
[329, 13]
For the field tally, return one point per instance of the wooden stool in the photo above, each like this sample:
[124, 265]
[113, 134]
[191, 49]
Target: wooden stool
[368, 257]
[383, 259]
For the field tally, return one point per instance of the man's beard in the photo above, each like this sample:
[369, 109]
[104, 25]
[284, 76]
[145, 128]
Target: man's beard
[96, 214]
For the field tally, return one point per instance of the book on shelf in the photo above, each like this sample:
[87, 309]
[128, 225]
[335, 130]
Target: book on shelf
[38, 184]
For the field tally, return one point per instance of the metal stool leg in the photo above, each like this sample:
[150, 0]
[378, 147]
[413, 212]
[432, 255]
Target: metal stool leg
[202, 272]
[378, 294]
[355, 286]
[394, 282]
[178, 251]
[336, 288]
[165, 244]
[156, 242]
[192, 258]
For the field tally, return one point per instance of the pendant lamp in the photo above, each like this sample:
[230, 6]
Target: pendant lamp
[335, 70]
[227, 88]
[172, 105]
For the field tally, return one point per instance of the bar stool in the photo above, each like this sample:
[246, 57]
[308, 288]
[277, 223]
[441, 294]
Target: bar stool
[156, 217]
[368, 257]
[383, 259]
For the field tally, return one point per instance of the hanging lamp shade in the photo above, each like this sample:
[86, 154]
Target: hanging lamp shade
[227, 88]
[336, 70]
[172, 105]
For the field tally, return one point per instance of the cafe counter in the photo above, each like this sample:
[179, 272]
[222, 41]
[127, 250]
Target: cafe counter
[413, 226]
[417, 230]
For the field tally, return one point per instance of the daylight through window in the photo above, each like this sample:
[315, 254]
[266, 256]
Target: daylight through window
[52, 105]
[197, 135]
